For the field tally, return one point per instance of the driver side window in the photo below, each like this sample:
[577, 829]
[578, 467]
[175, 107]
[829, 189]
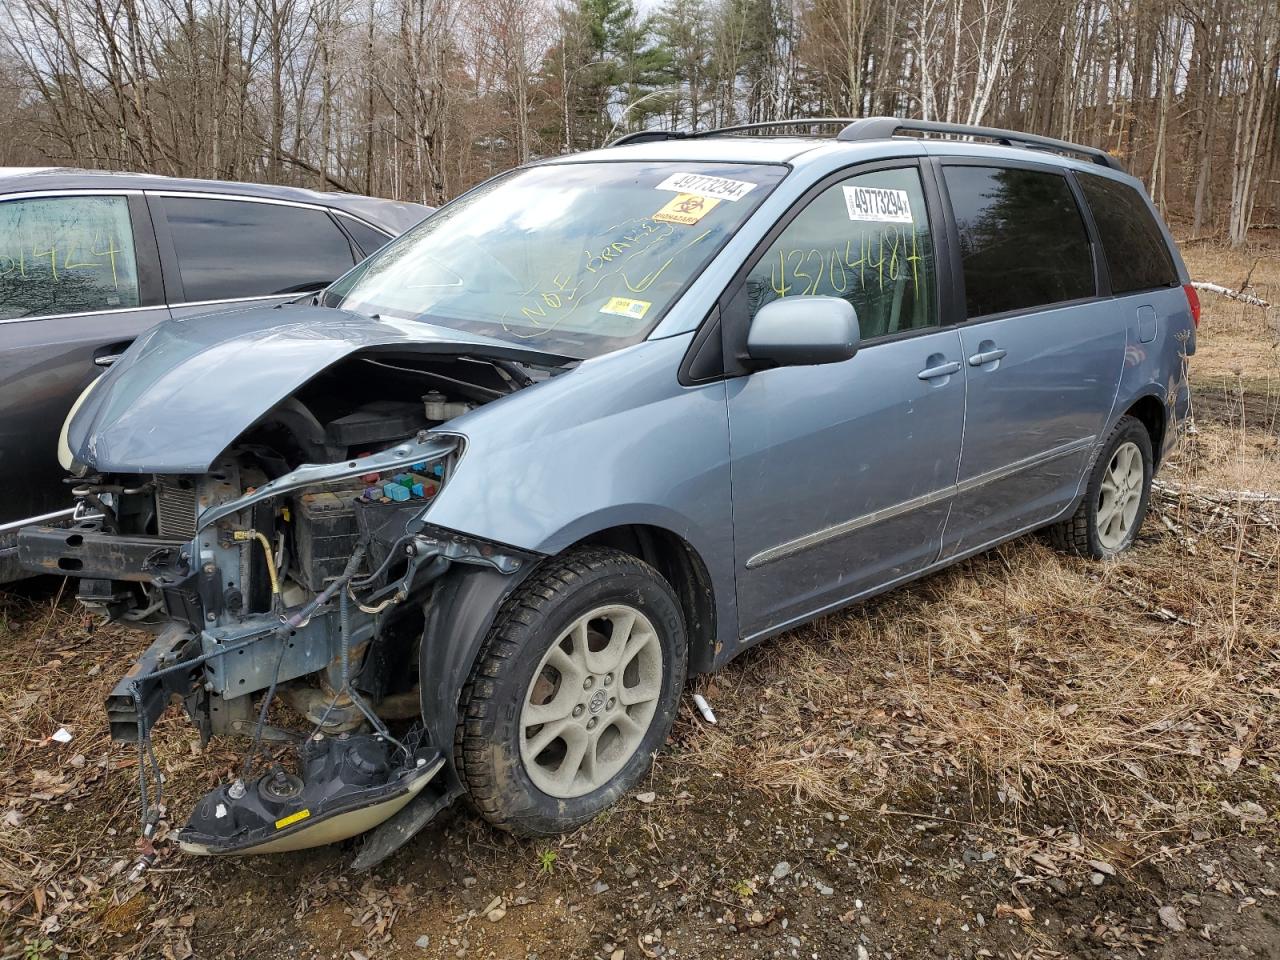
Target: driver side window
[865, 240]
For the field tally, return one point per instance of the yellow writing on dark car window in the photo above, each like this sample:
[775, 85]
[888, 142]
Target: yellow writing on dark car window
[58, 259]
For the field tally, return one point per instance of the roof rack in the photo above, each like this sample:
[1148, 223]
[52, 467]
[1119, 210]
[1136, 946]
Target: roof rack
[882, 128]
[648, 136]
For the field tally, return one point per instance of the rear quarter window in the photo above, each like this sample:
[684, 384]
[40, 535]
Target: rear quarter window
[228, 249]
[1023, 242]
[1137, 256]
[367, 238]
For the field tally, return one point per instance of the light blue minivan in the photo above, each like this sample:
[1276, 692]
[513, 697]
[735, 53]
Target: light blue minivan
[476, 510]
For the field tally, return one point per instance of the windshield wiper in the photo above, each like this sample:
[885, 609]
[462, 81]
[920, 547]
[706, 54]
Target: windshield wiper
[513, 370]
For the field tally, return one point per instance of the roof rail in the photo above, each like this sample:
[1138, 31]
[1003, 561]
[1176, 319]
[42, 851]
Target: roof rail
[881, 128]
[647, 136]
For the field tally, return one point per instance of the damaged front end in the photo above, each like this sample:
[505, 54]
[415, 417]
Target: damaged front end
[288, 599]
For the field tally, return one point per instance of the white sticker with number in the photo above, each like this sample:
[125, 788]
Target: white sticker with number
[702, 185]
[878, 203]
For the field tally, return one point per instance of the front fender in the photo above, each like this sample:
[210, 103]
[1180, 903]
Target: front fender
[628, 515]
[616, 442]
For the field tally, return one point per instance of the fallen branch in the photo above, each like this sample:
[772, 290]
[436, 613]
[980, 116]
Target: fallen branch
[1232, 507]
[1231, 294]
[1154, 610]
[1218, 495]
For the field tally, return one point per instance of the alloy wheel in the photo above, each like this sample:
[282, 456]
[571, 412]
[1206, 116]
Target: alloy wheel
[1120, 496]
[591, 701]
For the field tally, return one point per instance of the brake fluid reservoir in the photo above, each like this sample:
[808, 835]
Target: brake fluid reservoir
[438, 407]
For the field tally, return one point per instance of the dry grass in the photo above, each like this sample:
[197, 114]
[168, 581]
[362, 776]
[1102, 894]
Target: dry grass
[1238, 339]
[1140, 694]
[1133, 698]
[1037, 679]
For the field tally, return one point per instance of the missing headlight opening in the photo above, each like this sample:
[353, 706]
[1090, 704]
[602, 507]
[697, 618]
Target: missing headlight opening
[289, 586]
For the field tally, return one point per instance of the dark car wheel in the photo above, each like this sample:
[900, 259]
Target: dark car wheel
[574, 690]
[1115, 502]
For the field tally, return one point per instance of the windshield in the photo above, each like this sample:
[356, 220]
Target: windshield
[577, 259]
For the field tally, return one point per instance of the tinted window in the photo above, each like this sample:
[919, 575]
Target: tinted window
[66, 255]
[1022, 240]
[1137, 257]
[364, 235]
[235, 248]
[865, 240]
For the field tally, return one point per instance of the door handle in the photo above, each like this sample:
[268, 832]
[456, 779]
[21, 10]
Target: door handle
[987, 356]
[942, 370]
[107, 354]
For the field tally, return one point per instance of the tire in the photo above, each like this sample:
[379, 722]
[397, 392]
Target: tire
[1100, 528]
[554, 651]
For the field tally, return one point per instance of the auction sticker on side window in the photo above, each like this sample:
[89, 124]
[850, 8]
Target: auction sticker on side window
[686, 208]
[699, 184]
[878, 203]
[624, 307]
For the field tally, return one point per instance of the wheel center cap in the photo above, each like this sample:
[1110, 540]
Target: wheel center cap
[596, 703]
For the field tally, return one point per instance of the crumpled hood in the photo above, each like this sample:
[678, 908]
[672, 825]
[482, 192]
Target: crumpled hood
[187, 388]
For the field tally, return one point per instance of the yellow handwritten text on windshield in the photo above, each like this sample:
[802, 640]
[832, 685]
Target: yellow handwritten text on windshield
[632, 262]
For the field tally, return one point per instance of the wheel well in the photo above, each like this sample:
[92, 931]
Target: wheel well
[1150, 411]
[681, 566]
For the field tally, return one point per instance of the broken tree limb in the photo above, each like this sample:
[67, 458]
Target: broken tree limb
[1230, 294]
[1218, 495]
[1151, 609]
[1218, 506]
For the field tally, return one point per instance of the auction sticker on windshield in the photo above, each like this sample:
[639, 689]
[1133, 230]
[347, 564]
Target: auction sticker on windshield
[624, 307]
[702, 185]
[686, 208]
[878, 203]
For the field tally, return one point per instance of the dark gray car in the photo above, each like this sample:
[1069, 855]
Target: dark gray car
[91, 259]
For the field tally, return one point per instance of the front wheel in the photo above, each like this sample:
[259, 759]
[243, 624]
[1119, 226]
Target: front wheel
[574, 690]
[1109, 517]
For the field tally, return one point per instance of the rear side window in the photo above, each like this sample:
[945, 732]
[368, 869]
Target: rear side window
[367, 238]
[865, 240]
[1022, 240]
[1137, 257]
[229, 249]
[66, 255]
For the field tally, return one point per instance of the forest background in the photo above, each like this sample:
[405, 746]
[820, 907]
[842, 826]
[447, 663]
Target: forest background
[421, 99]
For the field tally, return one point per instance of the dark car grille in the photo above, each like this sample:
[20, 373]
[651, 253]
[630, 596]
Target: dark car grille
[175, 508]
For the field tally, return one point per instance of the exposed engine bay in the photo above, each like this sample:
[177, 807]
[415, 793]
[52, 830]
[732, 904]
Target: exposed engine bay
[288, 587]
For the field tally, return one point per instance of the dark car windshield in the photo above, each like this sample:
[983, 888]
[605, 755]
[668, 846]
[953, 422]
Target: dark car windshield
[576, 259]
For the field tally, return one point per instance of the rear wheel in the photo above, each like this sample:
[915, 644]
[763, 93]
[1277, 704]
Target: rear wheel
[1109, 517]
[574, 690]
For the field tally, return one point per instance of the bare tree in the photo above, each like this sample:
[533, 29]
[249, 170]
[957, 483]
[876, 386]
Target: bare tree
[422, 98]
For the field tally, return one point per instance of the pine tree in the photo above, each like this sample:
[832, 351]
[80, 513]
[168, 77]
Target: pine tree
[683, 29]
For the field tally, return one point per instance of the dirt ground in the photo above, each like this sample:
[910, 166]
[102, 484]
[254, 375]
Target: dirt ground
[1026, 756]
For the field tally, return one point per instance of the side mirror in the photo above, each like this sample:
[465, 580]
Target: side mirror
[801, 331]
